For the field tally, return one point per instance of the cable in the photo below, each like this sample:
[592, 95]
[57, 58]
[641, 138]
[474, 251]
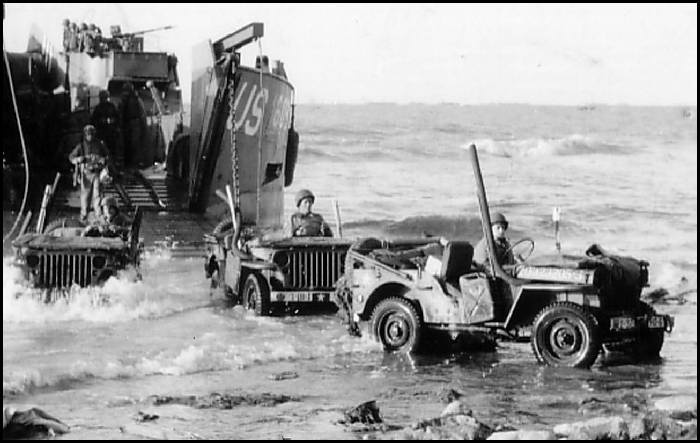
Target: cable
[262, 128]
[24, 146]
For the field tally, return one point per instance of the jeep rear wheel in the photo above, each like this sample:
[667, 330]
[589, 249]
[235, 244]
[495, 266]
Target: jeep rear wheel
[256, 296]
[397, 325]
[565, 334]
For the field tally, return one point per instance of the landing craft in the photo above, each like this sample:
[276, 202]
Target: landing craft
[240, 134]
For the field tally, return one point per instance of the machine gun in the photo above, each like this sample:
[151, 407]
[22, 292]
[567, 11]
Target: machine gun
[132, 41]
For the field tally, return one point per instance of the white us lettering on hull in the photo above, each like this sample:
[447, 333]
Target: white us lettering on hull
[250, 118]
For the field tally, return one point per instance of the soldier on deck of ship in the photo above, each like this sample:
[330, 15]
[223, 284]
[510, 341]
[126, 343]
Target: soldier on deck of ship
[90, 156]
[74, 42]
[305, 223]
[105, 118]
[66, 35]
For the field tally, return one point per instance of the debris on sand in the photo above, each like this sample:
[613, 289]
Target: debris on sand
[366, 413]
[285, 375]
[142, 417]
[224, 401]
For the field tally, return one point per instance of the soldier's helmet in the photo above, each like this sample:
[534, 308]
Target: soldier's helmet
[499, 218]
[302, 194]
[109, 202]
[89, 129]
[104, 94]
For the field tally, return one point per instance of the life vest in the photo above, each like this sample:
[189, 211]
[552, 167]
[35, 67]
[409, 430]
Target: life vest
[311, 225]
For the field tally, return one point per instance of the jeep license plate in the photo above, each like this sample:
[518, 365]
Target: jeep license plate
[622, 323]
[656, 322]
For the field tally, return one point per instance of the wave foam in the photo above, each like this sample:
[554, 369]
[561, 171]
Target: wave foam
[121, 298]
[575, 144]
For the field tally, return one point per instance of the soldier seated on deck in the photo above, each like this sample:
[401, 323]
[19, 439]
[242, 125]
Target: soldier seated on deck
[305, 223]
[112, 223]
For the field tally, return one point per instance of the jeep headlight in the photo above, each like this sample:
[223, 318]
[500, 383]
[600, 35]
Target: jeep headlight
[99, 262]
[32, 260]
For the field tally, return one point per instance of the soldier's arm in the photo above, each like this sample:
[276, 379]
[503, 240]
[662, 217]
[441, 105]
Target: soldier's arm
[327, 232]
[75, 156]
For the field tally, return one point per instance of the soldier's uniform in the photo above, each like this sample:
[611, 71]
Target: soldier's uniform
[90, 157]
[502, 246]
[310, 224]
[74, 41]
[112, 225]
[66, 35]
[105, 118]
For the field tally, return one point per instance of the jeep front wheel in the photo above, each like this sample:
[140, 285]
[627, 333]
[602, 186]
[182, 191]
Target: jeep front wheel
[397, 325]
[256, 296]
[565, 334]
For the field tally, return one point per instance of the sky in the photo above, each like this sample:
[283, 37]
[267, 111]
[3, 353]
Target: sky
[567, 54]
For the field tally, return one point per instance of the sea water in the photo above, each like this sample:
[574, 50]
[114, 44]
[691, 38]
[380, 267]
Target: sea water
[623, 177]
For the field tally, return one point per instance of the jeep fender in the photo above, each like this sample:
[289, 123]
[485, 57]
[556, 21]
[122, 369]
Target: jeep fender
[529, 300]
[380, 292]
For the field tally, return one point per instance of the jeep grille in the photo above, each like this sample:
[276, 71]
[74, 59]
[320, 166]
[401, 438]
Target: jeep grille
[314, 269]
[56, 270]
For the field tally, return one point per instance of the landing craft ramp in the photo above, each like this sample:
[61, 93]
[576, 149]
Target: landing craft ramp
[149, 189]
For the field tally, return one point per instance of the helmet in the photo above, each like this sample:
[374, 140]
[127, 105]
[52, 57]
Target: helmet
[104, 94]
[89, 129]
[109, 202]
[499, 218]
[302, 194]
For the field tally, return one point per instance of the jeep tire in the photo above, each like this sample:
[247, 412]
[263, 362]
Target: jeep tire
[256, 296]
[566, 334]
[397, 325]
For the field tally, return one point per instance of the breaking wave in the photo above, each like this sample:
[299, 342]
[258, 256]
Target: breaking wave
[211, 353]
[121, 298]
[574, 144]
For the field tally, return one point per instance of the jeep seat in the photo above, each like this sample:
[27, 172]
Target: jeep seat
[456, 261]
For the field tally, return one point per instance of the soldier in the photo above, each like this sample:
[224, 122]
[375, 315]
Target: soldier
[74, 42]
[66, 35]
[111, 223]
[305, 223]
[133, 118]
[499, 225]
[89, 39]
[82, 36]
[89, 157]
[105, 118]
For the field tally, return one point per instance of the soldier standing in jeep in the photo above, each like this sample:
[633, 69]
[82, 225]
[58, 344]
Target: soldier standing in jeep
[305, 223]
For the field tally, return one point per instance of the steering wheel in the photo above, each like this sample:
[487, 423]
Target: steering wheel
[522, 256]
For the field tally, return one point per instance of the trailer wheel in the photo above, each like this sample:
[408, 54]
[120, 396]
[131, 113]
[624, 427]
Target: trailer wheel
[397, 325]
[256, 296]
[648, 342]
[565, 334]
